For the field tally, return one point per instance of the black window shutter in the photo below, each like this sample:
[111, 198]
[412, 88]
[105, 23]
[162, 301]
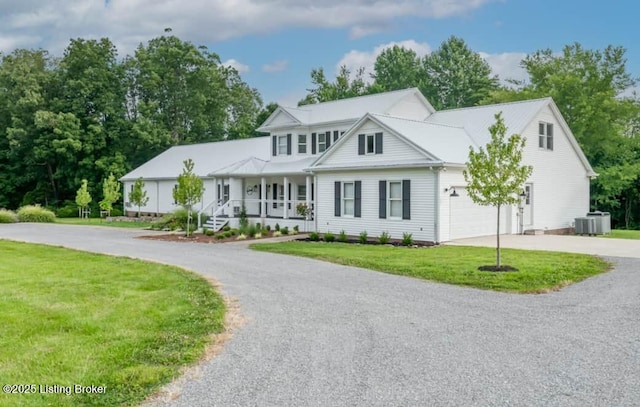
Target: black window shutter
[288, 144]
[361, 144]
[328, 138]
[382, 207]
[275, 196]
[357, 198]
[274, 145]
[406, 199]
[378, 143]
[336, 134]
[289, 194]
[550, 136]
[336, 204]
[313, 143]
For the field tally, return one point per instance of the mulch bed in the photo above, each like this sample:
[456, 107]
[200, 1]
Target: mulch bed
[497, 269]
[198, 238]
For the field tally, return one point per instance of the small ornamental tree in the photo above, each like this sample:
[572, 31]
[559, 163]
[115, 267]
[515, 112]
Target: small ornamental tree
[189, 190]
[110, 193]
[83, 198]
[138, 195]
[495, 175]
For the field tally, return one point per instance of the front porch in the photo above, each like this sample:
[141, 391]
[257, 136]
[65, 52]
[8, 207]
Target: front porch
[265, 200]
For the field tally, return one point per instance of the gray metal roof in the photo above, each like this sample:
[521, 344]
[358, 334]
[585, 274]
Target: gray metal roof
[208, 157]
[444, 143]
[477, 120]
[347, 109]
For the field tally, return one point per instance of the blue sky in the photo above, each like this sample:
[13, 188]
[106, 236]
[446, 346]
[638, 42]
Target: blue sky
[276, 43]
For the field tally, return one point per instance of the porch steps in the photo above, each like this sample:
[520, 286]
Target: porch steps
[219, 224]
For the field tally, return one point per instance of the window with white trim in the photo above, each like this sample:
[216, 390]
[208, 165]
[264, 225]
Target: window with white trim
[302, 144]
[282, 145]
[371, 144]
[322, 142]
[395, 199]
[545, 136]
[348, 198]
[302, 192]
[280, 195]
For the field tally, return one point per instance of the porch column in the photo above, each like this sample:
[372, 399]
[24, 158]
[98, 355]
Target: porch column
[263, 197]
[308, 197]
[285, 208]
[214, 206]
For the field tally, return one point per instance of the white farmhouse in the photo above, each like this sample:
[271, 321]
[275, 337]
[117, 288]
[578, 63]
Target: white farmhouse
[384, 162]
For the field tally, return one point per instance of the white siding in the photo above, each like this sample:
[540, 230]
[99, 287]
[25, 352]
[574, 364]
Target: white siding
[560, 182]
[460, 217]
[282, 119]
[421, 224]
[393, 148]
[410, 107]
[160, 194]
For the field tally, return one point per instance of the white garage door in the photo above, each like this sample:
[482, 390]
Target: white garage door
[470, 220]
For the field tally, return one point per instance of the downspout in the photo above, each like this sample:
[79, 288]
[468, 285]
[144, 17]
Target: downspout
[157, 198]
[436, 196]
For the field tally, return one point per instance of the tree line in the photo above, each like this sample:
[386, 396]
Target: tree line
[90, 113]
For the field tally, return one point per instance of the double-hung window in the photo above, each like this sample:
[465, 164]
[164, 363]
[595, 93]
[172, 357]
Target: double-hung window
[302, 144]
[348, 198]
[322, 142]
[282, 145]
[395, 199]
[545, 136]
[371, 144]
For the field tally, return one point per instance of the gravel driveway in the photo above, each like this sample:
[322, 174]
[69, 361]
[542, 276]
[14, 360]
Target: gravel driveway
[319, 334]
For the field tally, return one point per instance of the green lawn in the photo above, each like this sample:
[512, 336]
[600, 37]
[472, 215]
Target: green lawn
[538, 271]
[69, 317]
[102, 222]
[623, 234]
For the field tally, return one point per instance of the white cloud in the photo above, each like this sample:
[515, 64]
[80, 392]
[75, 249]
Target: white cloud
[277, 66]
[128, 22]
[507, 65]
[360, 31]
[353, 60]
[241, 68]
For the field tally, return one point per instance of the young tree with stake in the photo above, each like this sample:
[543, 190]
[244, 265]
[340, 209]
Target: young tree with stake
[189, 190]
[138, 195]
[495, 175]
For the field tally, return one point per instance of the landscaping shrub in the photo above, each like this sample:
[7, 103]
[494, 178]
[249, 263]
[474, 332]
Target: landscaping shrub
[35, 213]
[268, 227]
[363, 237]
[7, 216]
[285, 230]
[313, 236]
[257, 236]
[241, 236]
[233, 232]
[296, 228]
[407, 239]
[265, 231]
[226, 228]
[220, 236]
[228, 234]
[116, 212]
[277, 233]
[68, 210]
[384, 237]
[252, 229]
[329, 237]
[342, 237]
[277, 228]
[209, 232]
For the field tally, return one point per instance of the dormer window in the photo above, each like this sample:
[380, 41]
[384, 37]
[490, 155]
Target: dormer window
[545, 136]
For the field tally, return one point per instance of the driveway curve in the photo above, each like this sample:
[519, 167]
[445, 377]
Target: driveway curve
[320, 334]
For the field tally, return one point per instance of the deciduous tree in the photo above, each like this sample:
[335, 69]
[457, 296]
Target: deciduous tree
[83, 199]
[495, 174]
[138, 195]
[189, 190]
